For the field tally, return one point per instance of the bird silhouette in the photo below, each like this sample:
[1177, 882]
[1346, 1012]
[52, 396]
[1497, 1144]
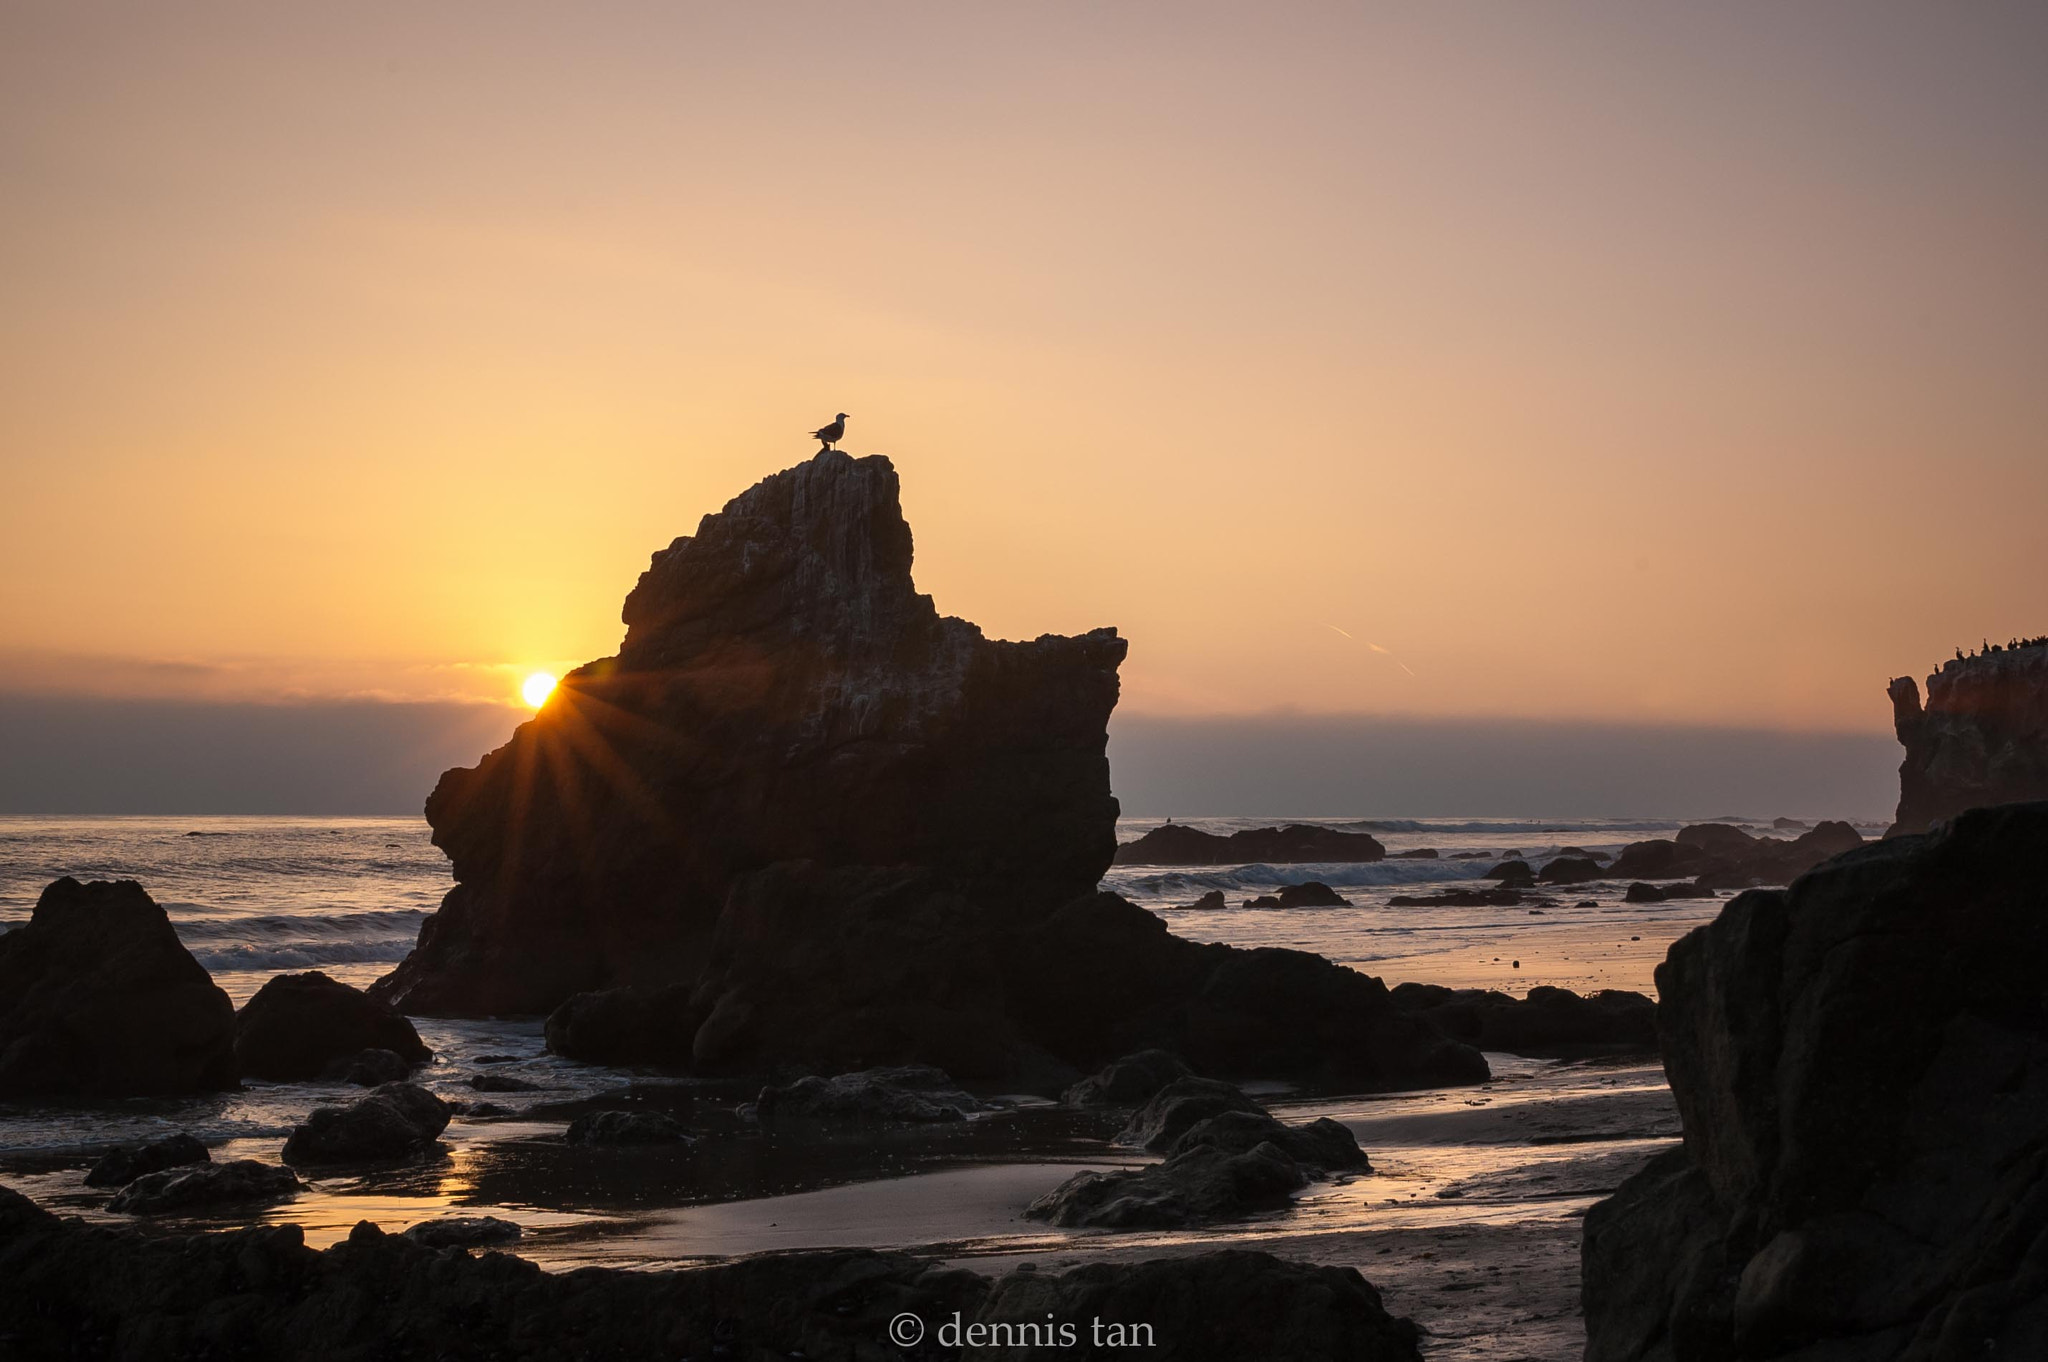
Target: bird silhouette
[832, 434]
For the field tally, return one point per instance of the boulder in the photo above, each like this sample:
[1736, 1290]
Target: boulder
[1512, 872]
[463, 1231]
[99, 998]
[121, 1166]
[1982, 738]
[1128, 1082]
[1179, 844]
[627, 1128]
[393, 1121]
[1860, 1063]
[299, 1024]
[1309, 894]
[1418, 854]
[636, 1024]
[1459, 898]
[1715, 839]
[1570, 870]
[1660, 858]
[201, 1187]
[1226, 1157]
[909, 1094]
[1641, 892]
[1548, 1023]
[501, 1083]
[1210, 901]
[368, 1068]
[262, 1294]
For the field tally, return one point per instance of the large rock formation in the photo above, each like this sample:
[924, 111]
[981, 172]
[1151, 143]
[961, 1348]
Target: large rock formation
[298, 1025]
[783, 694]
[1982, 738]
[802, 818]
[98, 997]
[87, 1291]
[1861, 1064]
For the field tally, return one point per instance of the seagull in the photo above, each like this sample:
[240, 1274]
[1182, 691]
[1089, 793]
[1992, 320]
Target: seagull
[832, 434]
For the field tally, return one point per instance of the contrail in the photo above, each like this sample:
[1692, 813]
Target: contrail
[1376, 648]
[1332, 626]
[1383, 652]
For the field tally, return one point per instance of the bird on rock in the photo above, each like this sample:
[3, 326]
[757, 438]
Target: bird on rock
[832, 434]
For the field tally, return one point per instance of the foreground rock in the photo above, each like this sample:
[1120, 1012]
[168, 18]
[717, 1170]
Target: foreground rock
[1129, 1082]
[1981, 740]
[1226, 1158]
[1550, 1023]
[393, 1121]
[1861, 1064]
[99, 998]
[463, 1231]
[119, 1167]
[905, 1095]
[203, 1187]
[1179, 844]
[299, 1024]
[261, 1295]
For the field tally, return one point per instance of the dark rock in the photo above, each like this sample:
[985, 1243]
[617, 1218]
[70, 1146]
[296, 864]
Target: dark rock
[1418, 854]
[1640, 892]
[1512, 872]
[1471, 856]
[1582, 854]
[199, 1187]
[907, 1094]
[463, 1231]
[119, 1167]
[1981, 740]
[805, 821]
[1226, 1157]
[1717, 856]
[1310, 894]
[501, 1083]
[1715, 839]
[298, 1024]
[1550, 1022]
[1459, 898]
[393, 1121]
[1657, 859]
[1179, 844]
[99, 998]
[261, 1294]
[1175, 1109]
[1212, 900]
[1570, 870]
[627, 1127]
[476, 1110]
[1128, 1082]
[783, 693]
[1861, 1065]
[368, 1068]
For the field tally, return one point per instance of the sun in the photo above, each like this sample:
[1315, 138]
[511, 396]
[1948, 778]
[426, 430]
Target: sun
[536, 689]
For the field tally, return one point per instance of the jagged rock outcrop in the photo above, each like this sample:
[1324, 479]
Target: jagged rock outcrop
[1861, 1066]
[98, 997]
[261, 1295]
[1722, 856]
[1982, 738]
[1179, 844]
[203, 1187]
[298, 1025]
[783, 694]
[803, 819]
[394, 1121]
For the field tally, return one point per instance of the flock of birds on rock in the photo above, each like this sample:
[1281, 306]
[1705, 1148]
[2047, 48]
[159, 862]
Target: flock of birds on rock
[1989, 648]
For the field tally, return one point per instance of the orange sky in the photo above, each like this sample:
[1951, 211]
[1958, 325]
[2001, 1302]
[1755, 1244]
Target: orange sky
[1619, 361]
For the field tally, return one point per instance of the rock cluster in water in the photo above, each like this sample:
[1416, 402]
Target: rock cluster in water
[1179, 844]
[1548, 1023]
[1861, 1065]
[260, 1294]
[1982, 738]
[801, 818]
[99, 998]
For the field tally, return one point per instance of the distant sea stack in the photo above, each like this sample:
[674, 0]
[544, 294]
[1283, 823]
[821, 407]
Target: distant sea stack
[1861, 1065]
[1179, 844]
[1981, 739]
[802, 818]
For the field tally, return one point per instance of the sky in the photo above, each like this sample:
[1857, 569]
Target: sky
[1646, 365]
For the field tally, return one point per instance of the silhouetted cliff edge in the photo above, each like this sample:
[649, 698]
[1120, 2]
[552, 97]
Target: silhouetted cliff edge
[1982, 738]
[803, 818]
